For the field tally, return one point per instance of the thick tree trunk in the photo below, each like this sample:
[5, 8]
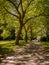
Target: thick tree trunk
[26, 37]
[18, 35]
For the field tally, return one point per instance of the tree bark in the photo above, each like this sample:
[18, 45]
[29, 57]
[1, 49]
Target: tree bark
[18, 36]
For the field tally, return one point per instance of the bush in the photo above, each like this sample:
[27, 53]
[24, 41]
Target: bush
[43, 38]
[1, 38]
[47, 37]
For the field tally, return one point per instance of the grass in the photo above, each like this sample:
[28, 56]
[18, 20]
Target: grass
[9, 46]
[22, 43]
[45, 45]
[6, 47]
[4, 42]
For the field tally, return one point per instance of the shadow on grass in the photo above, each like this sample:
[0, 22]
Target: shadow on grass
[7, 48]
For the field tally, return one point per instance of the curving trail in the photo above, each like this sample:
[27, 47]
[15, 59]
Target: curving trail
[31, 54]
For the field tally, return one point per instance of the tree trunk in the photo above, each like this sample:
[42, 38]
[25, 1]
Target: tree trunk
[26, 36]
[18, 35]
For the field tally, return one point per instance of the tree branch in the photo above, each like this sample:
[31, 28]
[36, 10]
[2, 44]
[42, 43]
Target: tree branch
[15, 6]
[11, 13]
[21, 5]
[28, 6]
[28, 20]
[41, 14]
[24, 12]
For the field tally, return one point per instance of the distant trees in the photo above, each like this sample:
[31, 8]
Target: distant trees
[46, 18]
[26, 28]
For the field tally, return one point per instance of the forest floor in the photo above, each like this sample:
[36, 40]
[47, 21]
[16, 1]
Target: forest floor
[31, 54]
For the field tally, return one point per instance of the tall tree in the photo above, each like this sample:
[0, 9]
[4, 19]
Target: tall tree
[23, 11]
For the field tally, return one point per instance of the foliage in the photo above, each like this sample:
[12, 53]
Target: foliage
[5, 34]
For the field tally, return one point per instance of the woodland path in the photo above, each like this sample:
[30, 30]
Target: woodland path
[31, 54]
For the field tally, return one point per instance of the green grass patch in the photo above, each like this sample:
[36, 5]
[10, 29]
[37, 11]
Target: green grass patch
[23, 43]
[45, 45]
[7, 47]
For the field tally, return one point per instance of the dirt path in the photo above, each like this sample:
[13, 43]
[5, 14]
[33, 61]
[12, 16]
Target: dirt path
[31, 54]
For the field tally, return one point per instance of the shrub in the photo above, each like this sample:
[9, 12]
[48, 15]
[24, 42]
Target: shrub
[43, 38]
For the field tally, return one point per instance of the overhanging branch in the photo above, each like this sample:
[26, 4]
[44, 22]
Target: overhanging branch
[16, 7]
[21, 5]
[28, 6]
[24, 12]
[41, 14]
[11, 13]
[28, 20]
